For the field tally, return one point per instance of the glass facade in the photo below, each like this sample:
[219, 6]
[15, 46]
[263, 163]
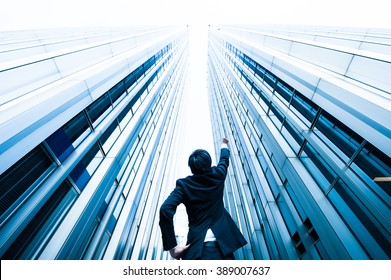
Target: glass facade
[298, 154]
[63, 199]
[89, 147]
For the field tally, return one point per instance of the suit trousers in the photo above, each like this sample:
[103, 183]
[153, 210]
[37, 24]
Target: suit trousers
[212, 251]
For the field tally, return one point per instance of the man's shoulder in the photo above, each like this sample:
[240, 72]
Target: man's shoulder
[183, 181]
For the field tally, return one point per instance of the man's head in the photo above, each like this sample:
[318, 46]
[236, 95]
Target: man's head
[200, 162]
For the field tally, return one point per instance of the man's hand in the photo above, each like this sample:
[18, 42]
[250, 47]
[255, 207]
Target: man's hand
[177, 251]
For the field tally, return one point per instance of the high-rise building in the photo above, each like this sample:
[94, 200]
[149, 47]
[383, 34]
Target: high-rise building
[92, 125]
[86, 116]
[309, 110]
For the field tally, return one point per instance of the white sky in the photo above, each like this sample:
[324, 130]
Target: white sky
[27, 14]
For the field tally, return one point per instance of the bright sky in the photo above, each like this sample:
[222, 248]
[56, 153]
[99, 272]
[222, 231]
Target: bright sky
[22, 14]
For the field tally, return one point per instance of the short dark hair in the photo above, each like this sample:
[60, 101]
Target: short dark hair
[200, 162]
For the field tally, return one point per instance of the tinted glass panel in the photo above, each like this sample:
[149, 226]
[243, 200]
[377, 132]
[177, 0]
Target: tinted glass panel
[305, 106]
[96, 109]
[61, 141]
[318, 168]
[26, 173]
[285, 90]
[376, 165]
[343, 137]
[31, 241]
[367, 219]
[117, 91]
[81, 173]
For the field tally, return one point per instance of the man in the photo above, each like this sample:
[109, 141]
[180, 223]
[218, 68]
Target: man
[212, 232]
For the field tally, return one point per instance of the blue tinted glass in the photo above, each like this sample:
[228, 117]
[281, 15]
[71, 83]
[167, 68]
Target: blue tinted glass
[17, 181]
[96, 109]
[363, 214]
[376, 165]
[39, 230]
[343, 137]
[318, 168]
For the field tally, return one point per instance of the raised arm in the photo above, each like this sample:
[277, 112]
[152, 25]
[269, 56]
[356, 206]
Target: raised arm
[223, 164]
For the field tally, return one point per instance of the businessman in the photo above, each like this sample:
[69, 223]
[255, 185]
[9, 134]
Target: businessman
[213, 235]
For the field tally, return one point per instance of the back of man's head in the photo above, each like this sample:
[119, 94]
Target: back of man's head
[200, 162]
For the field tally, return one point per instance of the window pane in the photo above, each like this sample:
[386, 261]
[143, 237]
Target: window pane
[287, 215]
[366, 218]
[295, 201]
[263, 100]
[260, 71]
[338, 133]
[76, 127]
[117, 91]
[96, 109]
[376, 165]
[62, 142]
[285, 90]
[109, 136]
[148, 64]
[318, 168]
[133, 77]
[34, 237]
[102, 246]
[83, 171]
[20, 179]
[304, 106]
[270, 79]
[292, 135]
[249, 62]
[276, 116]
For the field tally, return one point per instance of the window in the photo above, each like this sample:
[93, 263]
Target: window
[263, 100]
[35, 236]
[270, 79]
[116, 91]
[64, 140]
[311, 231]
[22, 178]
[276, 116]
[319, 169]
[260, 71]
[376, 165]
[338, 133]
[298, 244]
[366, 218]
[83, 241]
[286, 213]
[109, 230]
[247, 81]
[109, 136]
[292, 135]
[148, 64]
[133, 77]
[96, 109]
[295, 200]
[285, 90]
[304, 107]
[125, 115]
[83, 171]
[249, 62]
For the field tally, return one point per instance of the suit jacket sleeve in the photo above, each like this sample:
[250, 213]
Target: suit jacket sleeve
[223, 164]
[167, 212]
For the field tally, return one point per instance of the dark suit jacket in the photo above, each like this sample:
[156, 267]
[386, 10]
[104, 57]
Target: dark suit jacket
[203, 197]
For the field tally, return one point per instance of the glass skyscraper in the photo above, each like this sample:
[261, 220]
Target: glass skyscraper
[310, 111]
[90, 122]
